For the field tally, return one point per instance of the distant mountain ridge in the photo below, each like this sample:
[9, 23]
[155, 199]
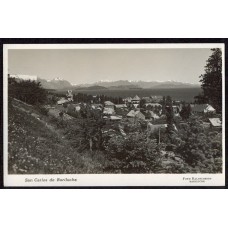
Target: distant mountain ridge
[125, 84]
[58, 83]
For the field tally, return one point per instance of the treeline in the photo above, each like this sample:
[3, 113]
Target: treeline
[211, 81]
[27, 91]
[86, 98]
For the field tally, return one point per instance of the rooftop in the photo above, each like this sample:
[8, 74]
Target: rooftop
[216, 122]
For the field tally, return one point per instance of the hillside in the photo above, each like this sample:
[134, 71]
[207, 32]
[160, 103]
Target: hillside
[38, 146]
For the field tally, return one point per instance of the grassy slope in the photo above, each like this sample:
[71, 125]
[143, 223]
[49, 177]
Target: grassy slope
[37, 149]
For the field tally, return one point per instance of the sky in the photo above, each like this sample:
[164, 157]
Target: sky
[80, 66]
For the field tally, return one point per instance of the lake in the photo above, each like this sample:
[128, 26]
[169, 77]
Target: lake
[181, 94]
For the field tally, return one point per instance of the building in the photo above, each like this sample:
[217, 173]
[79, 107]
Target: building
[127, 100]
[108, 111]
[97, 106]
[147, 99]
[154, 105]
[69, 95]
[215, 123]
[135, 100]
[203, 108]
[155, 127]
[109, 104]
[121, 106]
[156, 98]
[136, 115]
[115, 118]
[62, 101]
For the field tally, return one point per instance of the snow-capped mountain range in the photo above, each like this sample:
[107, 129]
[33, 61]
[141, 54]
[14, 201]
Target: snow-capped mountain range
[59, 83]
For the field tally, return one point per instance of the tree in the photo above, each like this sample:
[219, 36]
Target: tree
[142, 103]
[134, 153]
[164, 105]
[91, 125]
[169, 114]
[185, 112]
[212, 79]
[28, 91]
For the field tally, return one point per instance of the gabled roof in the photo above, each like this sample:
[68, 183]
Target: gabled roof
[137, 98]
[127, 98]
[108, 103]
[215, 122]
[133, 113]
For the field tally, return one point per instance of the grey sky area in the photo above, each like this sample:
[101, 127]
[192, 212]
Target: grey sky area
[91, 65]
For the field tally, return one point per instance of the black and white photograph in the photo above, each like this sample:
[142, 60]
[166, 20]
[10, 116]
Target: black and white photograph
[114, 115]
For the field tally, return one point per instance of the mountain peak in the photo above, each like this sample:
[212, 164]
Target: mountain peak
[58, 79]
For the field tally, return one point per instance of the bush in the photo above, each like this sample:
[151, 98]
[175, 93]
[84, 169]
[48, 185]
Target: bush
[134, 153]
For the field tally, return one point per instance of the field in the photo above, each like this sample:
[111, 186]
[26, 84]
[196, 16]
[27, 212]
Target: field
[182, 94]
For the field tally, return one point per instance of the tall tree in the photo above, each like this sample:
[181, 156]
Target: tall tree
[212, 79]
[169, 114]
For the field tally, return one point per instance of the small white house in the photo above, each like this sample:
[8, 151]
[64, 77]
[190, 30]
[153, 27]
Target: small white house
[203, 108]
[108, 111]
[62, 101]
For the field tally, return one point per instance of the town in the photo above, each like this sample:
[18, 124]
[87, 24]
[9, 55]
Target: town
[147, 109]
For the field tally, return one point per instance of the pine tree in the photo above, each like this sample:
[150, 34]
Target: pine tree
[212, 79]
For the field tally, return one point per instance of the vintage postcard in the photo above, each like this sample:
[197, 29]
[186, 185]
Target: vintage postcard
[114, 114]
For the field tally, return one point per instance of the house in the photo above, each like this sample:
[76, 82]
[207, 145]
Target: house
[135, 100]
[97, 106]
[115, 118]
[62, 101]
[203, 108]
[155, 127]
[122, 111]
[136, 115]
[121, 106]
[147, 99]
[69, 95]
[156, 98]
[154, 105]
[109, 104]
[215, 122]
[127, 100]
[108, 111]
